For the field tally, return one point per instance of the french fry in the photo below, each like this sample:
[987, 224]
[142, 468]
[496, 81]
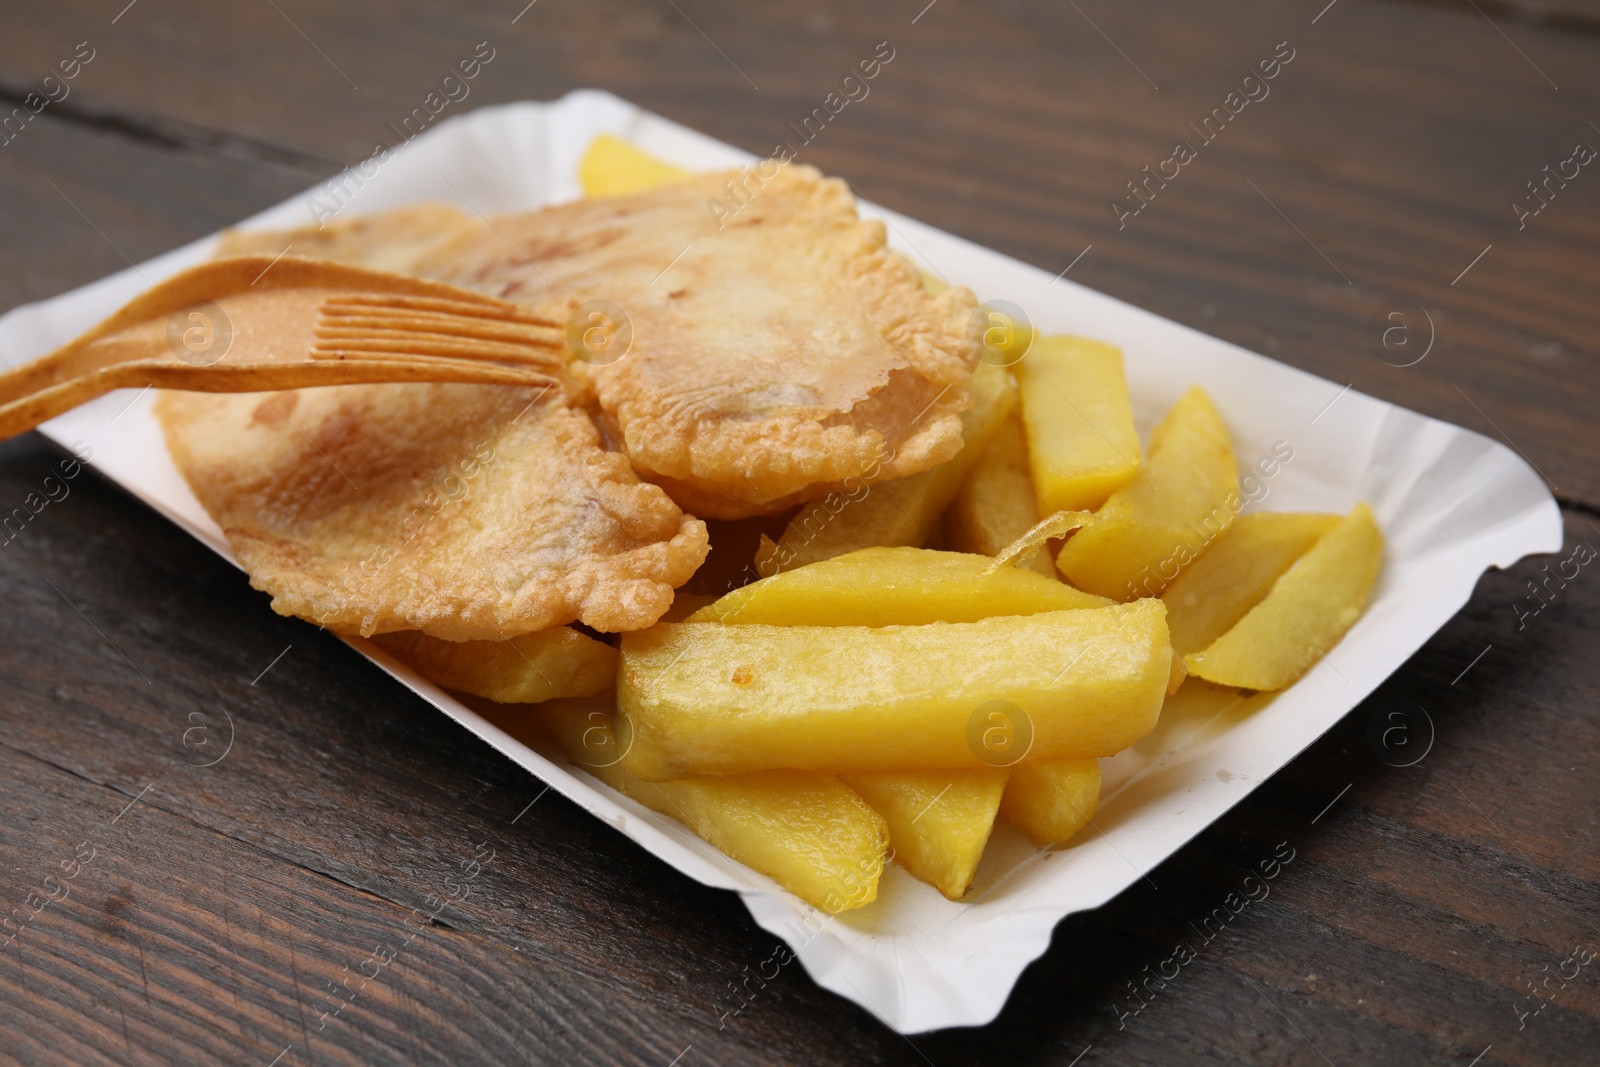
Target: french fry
[995, 505]
[559, 662]
[1234, 573]
[808, 832]
[1079, 422]
[1305, 613]
[613, 167]
[707, 698]
[902, 511]
[939, 821]
[894, 587]
[1051, 800]
[1147, 531]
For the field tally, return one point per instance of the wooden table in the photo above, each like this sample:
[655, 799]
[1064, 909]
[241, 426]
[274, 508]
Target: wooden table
[214, 906]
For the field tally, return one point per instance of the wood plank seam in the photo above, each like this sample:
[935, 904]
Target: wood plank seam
[254, 846]
[162, 131]
[1536, 16]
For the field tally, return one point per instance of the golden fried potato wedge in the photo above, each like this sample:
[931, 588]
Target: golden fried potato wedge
[902, 511]
[1231, 576]
[808, 832]
[613, 167]
[1079, 422]
[1147, 531]
[939, 821]
[559, 662]
[1305, 614]
[996, 505]
[894, 587]
[1051, 800]
[705, 698]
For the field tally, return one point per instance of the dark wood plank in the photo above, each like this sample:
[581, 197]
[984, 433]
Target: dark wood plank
[336, 779]
[90, 203]
[343, 801]
[1418, 905]
[1577, 16]
[1393, 145]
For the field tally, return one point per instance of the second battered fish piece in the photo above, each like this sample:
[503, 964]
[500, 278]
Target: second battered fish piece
[396, 240]
[778, 349]
[467, 512]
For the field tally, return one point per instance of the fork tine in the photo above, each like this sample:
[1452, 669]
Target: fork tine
[343, 308]
[491, 308]
[442, 325]
[428, 368]
[358, 326]
[363, 327]
[400, 344]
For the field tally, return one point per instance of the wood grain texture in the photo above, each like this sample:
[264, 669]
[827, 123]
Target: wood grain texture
[219, 907]
[1393, 145]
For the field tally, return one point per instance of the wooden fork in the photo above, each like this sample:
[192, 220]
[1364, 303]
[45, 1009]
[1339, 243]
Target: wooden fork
[251, 323]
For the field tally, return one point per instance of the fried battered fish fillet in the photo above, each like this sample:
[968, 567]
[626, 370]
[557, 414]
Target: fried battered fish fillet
[401, 241]
[778, 349]
[467, 512]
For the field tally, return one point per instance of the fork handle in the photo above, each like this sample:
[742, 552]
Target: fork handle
[26, 413]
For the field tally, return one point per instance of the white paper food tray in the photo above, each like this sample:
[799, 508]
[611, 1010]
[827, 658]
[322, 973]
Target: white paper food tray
[1451, 503]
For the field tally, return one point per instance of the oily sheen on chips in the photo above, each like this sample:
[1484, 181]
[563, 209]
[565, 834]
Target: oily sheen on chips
[869, 698]
[710, 698]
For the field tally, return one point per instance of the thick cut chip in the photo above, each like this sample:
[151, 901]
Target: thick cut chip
[613, 167]
[900, 512]
[1050, 800]
[808, 832]
[778, 346]
[559, 662]
[1232, 576]
[894, 587]
[1304, 615]
[1079, 422]
[468, 512]
[705, 698]
[996, 503]
[1147, 531]
[939, 821]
